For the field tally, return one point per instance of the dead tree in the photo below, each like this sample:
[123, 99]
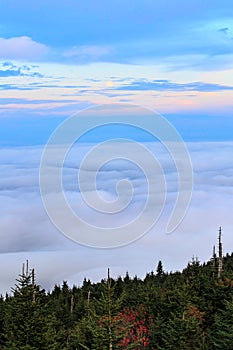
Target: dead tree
[220, 260]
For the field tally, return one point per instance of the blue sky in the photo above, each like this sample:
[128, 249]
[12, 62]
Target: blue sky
[56, 59]
[171, 56]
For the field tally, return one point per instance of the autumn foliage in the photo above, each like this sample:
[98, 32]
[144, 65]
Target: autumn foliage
[134, 324]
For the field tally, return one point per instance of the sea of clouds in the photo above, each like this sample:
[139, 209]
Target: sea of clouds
[27, 233]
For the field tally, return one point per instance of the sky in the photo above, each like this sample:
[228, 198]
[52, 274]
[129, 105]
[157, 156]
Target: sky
[145, 72]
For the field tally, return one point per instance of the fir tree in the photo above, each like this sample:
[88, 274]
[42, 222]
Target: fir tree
[159, 270]
[221, 336]
[25, 320]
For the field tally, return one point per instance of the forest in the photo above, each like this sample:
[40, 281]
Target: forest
[189, 309]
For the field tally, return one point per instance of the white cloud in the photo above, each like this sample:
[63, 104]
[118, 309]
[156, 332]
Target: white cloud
[22, 47]
[26, 231]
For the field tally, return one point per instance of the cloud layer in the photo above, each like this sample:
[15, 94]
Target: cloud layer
[166, 85]
[26, 231]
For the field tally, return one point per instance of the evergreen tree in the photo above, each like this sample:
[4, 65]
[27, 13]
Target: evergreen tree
[25, 315]
[105, 336]
[159, 270]
[185, 332]
[188, 310]
[221, 336]
[2, 322]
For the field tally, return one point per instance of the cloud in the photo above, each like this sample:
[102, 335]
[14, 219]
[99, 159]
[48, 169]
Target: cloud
[152, 32]
[20, 101]
[168, 36]
[166, 85]
[18, 73]
[224, 30]
[22, 47]
[9, 69]
[35, 86]
[9, 64]
[11, 73]
[15, 87]
[87, 54]
[26, 231]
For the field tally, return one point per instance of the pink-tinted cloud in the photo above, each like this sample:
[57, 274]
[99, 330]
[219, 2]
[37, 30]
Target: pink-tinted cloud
[22, 47]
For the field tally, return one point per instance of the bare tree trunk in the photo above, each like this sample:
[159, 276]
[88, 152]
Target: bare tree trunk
[109, 312]
[27, 268]
[33, 286]
[72, 304]
[220, 252]
[88, 303]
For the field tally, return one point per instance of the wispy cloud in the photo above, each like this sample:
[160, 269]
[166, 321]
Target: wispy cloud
[87, 54]
[224, 30]
[21, 101]
[18, 73]
[16, 87]
[11, 73]
[9, 69]
[37, 85]
[166, 85]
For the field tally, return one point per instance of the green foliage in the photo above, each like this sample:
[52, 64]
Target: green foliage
[185, 331]
[221, 336]
[187, 310]
[102, 323]
[159, 270]
[25, 316]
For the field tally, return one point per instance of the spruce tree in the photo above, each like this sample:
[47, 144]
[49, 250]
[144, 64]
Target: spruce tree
[221, 335]
[25, 321]
[159, 270]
